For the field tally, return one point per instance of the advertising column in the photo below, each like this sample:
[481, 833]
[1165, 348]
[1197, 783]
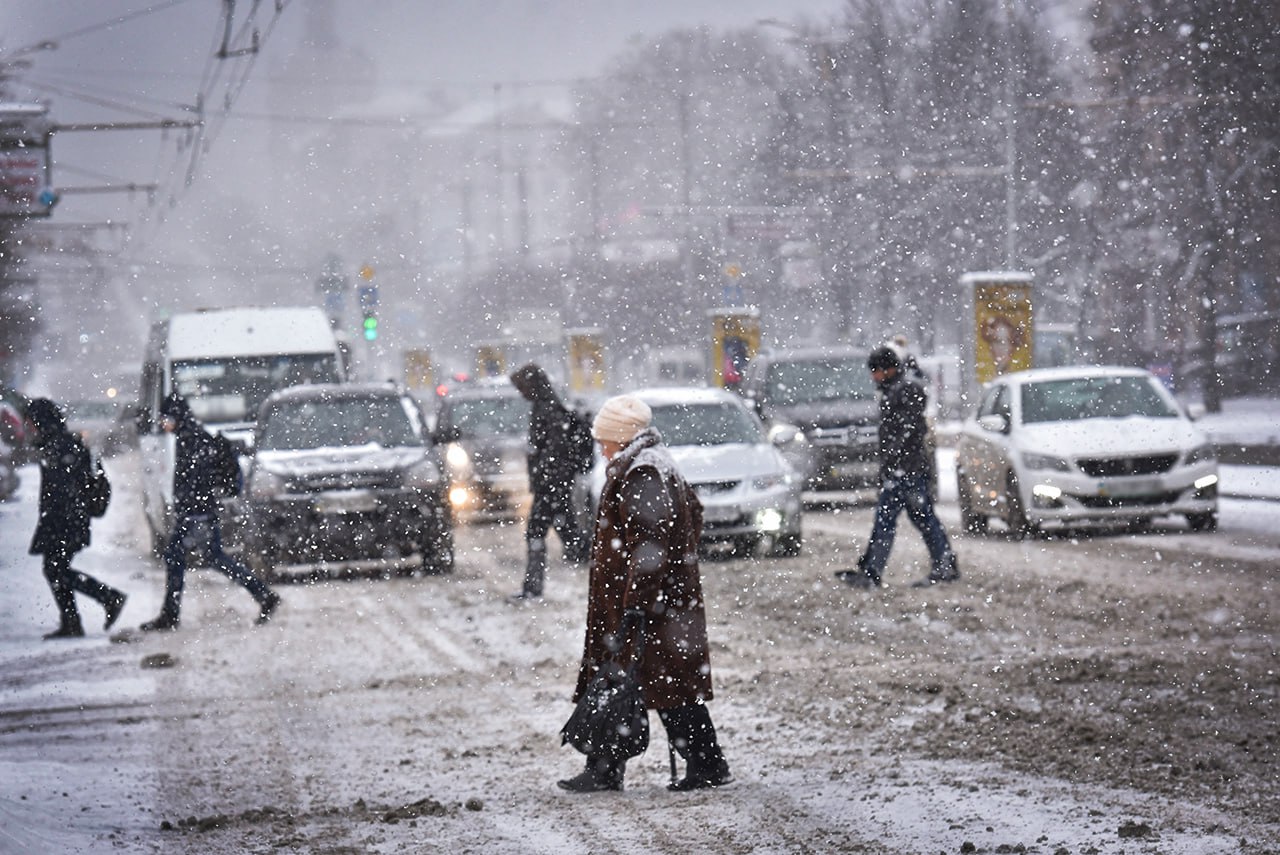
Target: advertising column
[1003, 326]
[586, 362]
[735, 339]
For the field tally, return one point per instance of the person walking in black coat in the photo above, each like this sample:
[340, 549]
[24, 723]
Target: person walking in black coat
[904, 477]
[552, 468]
[63, 526]
[195, 509]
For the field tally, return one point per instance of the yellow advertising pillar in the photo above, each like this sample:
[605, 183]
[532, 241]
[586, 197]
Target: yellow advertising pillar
[735, 340]
[419, 373]
[1003, 326]
[586, 362]
[491, 360]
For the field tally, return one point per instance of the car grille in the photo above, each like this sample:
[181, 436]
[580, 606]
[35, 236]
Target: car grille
[853, 435]
[1127, 501]
[713, 488]
[345, 481]
[1111, 467]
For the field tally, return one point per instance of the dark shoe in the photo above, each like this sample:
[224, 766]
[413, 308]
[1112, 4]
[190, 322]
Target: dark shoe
[703, 780]
[164, 623]
[949, 571]
[524, 597]
[65, 632]
[591, 781]
[858, 579]
[114, 606]
[269, 606]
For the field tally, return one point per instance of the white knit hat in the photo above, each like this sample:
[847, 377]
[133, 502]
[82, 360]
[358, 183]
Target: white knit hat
[620, 419]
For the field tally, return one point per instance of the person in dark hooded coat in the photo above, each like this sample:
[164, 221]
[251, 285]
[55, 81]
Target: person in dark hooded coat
[195, 510]
[63, 526]
[552, 469]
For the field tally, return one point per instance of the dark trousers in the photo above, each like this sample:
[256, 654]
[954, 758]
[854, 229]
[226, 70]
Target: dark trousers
[65, 582]
[202, 531]
[553, 508]
[912, 494]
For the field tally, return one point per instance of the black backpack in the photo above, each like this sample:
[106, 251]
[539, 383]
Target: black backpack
[227, 478]
[97, 490]
[581, 443]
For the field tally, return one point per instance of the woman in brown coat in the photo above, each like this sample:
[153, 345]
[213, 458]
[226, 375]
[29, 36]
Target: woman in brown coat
[644, 574]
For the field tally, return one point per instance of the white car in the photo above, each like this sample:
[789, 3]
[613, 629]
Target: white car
[750, 495]
[1083, 444]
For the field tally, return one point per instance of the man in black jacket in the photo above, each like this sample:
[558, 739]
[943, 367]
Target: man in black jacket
[904, 478]
[63, 527]
[195, 510]
[552, 468]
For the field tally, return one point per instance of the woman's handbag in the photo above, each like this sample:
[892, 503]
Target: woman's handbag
[610, 719]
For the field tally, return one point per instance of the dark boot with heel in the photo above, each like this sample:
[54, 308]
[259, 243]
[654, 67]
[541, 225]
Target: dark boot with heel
[600, 775]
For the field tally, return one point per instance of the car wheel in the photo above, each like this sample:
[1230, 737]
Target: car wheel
[789, 545]
[1203, 522]
[745, 546]
[437, 553]
[972, 521]
[1016, 517]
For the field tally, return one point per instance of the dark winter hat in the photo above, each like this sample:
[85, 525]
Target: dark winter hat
[46, 415]
[883, 358]
[175, 407]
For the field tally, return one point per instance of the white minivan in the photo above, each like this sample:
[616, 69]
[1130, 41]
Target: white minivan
[225, 362]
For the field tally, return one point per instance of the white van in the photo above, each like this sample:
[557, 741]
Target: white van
[225, 362]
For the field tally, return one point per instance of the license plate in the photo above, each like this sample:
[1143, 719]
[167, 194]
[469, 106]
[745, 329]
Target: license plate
[720, 514]
[353, 502]
[1129, 487]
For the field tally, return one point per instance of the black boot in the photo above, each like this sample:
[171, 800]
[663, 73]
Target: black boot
[948, 570]
[267, 607]
[600, 775]
[64, 598]
[703, 778]
[535, 570]
[66, 630]
[113, 605]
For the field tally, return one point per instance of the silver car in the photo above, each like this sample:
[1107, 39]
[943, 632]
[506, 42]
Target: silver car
[750, 494]
[1065, 445]
[483, 429]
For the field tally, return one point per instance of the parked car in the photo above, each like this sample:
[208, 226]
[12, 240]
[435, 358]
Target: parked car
[484, 428]
[106, 425]
[1066, 445]
[13, 426]
[343, 473]
[750, 494]
[819, 406]
[9, 479]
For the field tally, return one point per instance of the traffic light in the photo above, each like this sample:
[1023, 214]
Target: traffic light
[370, 326]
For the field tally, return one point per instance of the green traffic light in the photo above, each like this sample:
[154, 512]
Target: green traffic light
[370, 328]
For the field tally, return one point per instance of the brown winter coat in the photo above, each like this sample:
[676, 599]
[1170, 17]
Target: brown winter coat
[645, 556]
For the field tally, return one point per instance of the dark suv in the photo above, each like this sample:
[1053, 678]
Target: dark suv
[345, 473]
[820, 407]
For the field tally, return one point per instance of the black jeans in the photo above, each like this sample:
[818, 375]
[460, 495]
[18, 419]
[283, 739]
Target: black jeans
[553, 508]
[202, 531]
[65, 582]
[692, 734]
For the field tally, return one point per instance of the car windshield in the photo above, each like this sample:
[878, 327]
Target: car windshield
[497, 416]
[1093, 398]
[232, 390]
[382, 421]
[706, 424]
[810, 380]
[90, 411]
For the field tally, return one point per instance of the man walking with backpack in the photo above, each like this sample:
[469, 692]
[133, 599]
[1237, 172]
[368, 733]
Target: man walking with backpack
[197, 476]
[555, 459]
[63, 527]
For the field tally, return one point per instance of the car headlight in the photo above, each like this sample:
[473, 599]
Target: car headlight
[423, 476]
[1032, 460]
[265, 484]
[1201, 454]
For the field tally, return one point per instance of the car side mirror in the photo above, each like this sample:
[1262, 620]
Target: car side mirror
[783, 434]
[1196, 411]
[994, 423]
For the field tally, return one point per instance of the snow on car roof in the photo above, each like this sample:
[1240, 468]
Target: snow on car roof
[660, 396]
[1067, 372]
[332, 391]
[247, 331]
